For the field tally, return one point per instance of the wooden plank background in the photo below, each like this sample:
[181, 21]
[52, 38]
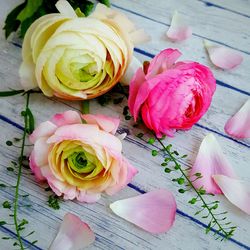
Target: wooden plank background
[221, 22]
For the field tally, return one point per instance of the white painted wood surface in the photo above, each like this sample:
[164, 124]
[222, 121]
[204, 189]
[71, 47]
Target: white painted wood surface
[223, 22]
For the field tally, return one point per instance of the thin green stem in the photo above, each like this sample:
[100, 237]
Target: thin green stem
[221, 229]
[19, 175]
[85, 107]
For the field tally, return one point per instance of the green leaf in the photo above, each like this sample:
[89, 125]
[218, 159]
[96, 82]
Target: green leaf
[23, 222]
[30, 8]
[182, 191]
[197, 174]
[208, 227]
[53, 202]
[106, 2]
[167, 170]
[151, 141]
[34, 242]
[11, 24]
[193, 201]
[2, 222]
[181, 181]
[6, 204]
[6, 238]
[2, 185]
[10, 93]
[140, 135]
[9, 143]
[154, 152]
[31, 121]
[27, 22]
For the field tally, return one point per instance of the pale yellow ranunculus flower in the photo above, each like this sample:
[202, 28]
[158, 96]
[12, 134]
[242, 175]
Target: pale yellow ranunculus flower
[75, 57]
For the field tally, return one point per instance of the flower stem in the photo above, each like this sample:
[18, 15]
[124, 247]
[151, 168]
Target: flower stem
[15, 217]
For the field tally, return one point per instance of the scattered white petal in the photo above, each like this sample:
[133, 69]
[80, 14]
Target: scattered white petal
[134, 65]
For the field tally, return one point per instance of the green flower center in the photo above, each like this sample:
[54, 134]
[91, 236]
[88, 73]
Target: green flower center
[79, 162]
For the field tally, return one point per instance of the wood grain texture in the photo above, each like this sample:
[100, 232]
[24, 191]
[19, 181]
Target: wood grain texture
[112, 232]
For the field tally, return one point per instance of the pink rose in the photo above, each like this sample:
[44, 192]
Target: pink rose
[80, 160]
[169, 95]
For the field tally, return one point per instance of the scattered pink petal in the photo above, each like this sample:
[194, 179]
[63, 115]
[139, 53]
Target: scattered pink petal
[154, 211]
[73, 234]
[178, 30]
[223, 57]
[210, 161]
[108, 124]
[238, 126]
[236, 191]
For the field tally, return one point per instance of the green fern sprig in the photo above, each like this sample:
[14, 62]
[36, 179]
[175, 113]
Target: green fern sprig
[218, 222]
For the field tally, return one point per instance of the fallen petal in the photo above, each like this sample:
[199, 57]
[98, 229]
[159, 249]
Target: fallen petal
[154, 211]
[73, 234]
[210, 161]
[236, 191]
[223, 57]
[238, 126]
[178, 30]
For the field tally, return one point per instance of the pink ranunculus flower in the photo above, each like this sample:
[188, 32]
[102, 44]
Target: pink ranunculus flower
[80, 159]
[169, 95]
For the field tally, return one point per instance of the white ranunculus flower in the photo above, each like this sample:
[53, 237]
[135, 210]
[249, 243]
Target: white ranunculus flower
[78, 58]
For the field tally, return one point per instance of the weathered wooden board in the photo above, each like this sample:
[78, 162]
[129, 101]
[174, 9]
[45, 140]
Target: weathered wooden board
[112, 232]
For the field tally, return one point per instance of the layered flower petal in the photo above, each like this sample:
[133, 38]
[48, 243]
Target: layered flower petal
[210, 161]
[109, 124]
[66, 118]
[238, 126]
[88, 64]
[223, 57]
[236, 191]
[45, 129]
[170, 95]
[178, 30]
[80, 160]
[73, 234]
[134, 65]
[154, 211]
[35, 168]
[162, 62]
